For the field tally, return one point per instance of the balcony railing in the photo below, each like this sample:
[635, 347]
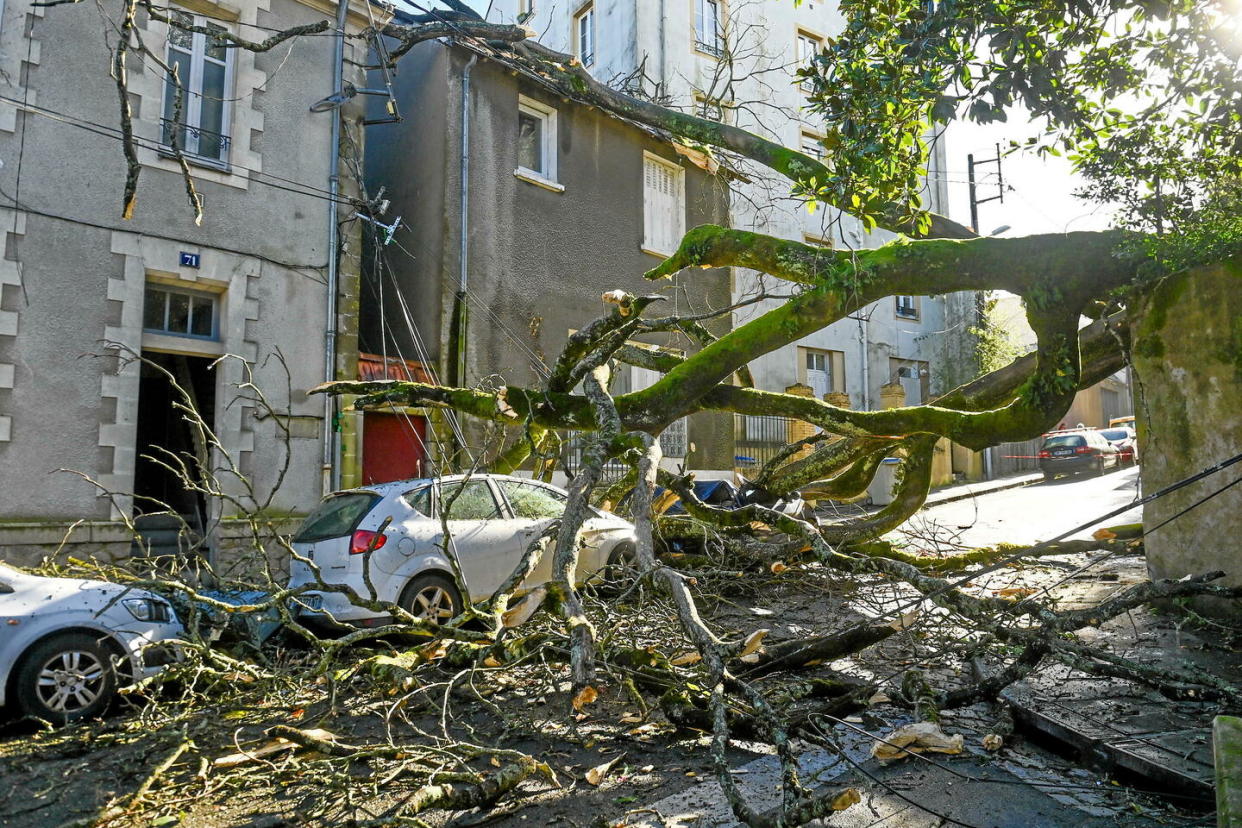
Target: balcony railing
[201, 144]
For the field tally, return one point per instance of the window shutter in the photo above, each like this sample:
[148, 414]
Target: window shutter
[663, 222]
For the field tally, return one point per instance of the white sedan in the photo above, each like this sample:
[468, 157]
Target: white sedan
[68, 643]
[491, 521]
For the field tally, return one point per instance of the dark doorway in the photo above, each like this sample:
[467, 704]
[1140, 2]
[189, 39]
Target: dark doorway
[164, 428]
[393, 447]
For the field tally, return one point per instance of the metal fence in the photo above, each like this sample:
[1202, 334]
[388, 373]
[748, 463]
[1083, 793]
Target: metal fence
[757, 440]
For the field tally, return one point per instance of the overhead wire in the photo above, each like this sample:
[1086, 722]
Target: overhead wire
[114, 133]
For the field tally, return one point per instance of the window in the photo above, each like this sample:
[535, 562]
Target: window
[907, 307]
[526, 8]
[536, 149]
[811, 145]
[584, 34]
[713, 109]
[708, 37]
[914, 376]
[531, 502]
[817, 241]
[823, 371]
[475, 501]
[335, 517]
[205, 68]
[419, 500]
[807, 47]
[664, 211]
[180, 312]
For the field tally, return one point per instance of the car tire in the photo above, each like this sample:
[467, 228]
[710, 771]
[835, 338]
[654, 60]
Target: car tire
[65, 678]
[1049, 476]
[622, 565]
[431, 597]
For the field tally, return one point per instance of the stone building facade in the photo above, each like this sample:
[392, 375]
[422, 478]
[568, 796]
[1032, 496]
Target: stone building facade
[240, 299]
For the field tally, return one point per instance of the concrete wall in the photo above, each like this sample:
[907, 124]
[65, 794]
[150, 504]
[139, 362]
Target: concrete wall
[538, 259]
[659, 38]
[1187, 346]
[73, 270]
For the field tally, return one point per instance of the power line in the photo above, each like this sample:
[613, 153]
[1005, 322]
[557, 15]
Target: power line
[114, 133]
[15, 204]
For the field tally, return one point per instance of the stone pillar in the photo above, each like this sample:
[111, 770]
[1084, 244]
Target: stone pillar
[1187, 350]
[892, 395]
[796, 430]
[838, 398]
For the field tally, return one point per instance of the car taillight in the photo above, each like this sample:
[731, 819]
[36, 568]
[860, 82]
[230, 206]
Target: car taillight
[363, 541]
[1044, 453]
[1083, 450]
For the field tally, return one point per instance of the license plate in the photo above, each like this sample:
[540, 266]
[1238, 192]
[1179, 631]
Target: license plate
[1062, 452]
[313, 603]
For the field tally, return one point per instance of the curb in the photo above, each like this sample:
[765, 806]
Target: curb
[1013, 483]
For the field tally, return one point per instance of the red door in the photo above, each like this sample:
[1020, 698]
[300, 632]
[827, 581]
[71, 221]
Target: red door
[393, 447]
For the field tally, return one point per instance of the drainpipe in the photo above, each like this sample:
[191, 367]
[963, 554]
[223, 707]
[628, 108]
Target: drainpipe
[865, 343]
[463, 255]
[331, 469]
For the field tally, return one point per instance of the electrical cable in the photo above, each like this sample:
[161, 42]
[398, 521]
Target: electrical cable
[34, 211]
[114, 133]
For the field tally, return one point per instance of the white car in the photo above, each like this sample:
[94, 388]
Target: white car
[68, 643]
[492, 520]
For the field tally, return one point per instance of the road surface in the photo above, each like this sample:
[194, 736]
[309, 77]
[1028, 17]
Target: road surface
[1033, 513]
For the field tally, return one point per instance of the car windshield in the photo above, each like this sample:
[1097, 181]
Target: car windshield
[1065, 441]
[1116, 433]
[336, 517]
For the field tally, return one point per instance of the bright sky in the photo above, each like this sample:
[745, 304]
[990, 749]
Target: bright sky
[1038, 191]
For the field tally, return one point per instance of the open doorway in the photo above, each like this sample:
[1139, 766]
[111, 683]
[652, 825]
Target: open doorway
[164, 430]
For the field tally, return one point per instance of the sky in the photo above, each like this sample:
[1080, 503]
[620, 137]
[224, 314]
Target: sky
[1038, 193]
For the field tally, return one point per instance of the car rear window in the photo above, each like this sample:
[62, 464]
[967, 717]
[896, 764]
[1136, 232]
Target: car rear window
[1115, 433]
[336, 517]
[1065, 441]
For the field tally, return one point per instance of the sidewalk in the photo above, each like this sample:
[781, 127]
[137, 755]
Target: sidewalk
[962, 491]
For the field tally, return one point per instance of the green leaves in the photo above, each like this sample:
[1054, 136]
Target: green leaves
[1133, 91]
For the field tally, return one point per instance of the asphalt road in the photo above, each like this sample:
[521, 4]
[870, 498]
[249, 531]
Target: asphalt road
[1033, 513]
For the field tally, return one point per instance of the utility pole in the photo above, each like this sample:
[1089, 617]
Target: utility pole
[975, 201]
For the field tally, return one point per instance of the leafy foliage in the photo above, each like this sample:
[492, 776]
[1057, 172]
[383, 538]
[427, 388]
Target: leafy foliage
[1144, 96]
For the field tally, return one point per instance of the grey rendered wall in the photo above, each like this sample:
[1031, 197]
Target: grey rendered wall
[79, 270]
[539, 260]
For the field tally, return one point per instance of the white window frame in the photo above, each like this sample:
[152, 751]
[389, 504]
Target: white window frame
[715, 46]
[912, 305]
[546, 177]
[810, 143]
[584, 46]
[804, 41]
[834, 362]
[193, 88]
[165, 291]
[656, 245]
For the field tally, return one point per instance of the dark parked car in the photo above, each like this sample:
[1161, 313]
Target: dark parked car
[1075, 452]
[1126, 442]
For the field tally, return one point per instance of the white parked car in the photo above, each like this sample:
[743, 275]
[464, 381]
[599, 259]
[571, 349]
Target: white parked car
[492, 520]
[66, 643]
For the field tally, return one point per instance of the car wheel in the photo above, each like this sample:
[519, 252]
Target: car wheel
[65, 678]
[431, 597]
[1049, 476]
[622, 565]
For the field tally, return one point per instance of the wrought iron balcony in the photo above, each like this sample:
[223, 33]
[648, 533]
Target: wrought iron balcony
[195, 142]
